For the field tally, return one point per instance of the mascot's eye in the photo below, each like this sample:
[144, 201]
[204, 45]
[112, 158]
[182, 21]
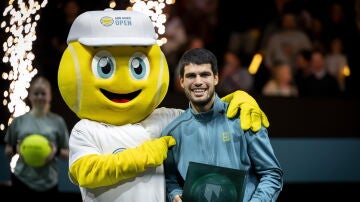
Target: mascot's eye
[139, 66]
[103, 65]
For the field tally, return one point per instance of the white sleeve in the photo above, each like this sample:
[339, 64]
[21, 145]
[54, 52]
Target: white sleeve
[159, 119]
[82, 141]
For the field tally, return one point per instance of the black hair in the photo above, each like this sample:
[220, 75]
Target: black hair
[198, 56]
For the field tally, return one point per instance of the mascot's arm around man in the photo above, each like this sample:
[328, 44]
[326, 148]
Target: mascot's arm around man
[95, 170]
[113, 76]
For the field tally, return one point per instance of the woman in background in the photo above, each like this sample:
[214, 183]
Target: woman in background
[42, 180]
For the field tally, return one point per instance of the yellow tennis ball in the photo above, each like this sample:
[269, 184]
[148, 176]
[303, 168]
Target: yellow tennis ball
[35, 149]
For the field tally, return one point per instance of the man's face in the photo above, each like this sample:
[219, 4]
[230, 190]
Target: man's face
[317, 62]
[199, 84]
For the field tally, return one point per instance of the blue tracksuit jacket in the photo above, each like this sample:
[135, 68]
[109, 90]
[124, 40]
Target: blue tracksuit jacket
[212, 138]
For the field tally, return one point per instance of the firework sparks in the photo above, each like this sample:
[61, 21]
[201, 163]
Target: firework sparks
[154, 9]
[21, 22]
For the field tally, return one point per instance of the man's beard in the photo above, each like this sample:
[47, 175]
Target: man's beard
[201, 103]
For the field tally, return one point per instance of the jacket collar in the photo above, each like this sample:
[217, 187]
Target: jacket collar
[218, 107]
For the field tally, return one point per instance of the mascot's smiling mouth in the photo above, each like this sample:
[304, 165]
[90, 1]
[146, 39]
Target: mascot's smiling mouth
[120, 98]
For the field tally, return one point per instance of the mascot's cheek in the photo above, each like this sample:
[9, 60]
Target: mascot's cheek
[67, 80]
[70, 74]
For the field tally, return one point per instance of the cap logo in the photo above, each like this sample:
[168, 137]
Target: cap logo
[106, 21]
[120, 21]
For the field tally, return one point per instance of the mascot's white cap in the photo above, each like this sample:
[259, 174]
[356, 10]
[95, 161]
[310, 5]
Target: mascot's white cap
[112, 27]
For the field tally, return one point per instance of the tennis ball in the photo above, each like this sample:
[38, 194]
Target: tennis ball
[35, 149]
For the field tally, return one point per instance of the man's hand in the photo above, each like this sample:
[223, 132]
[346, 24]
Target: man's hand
[177, 198]
[251, 116]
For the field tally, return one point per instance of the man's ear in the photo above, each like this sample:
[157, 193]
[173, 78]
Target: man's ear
[216, 79]
[182, 82]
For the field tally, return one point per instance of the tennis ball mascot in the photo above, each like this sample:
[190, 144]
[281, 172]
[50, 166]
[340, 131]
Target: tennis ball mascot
[113, 75]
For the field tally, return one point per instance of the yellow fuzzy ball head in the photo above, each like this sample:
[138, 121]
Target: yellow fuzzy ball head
[35, 149]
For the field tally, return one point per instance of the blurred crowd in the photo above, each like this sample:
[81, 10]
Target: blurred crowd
[308, 48]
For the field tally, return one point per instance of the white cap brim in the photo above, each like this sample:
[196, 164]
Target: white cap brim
[117, 41]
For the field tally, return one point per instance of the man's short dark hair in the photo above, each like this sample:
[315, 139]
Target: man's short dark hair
[198, 56]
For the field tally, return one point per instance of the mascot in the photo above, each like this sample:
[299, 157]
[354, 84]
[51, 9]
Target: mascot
[113, 75]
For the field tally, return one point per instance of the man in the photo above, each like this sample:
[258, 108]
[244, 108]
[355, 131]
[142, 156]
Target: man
[320, 83]
[204, 134]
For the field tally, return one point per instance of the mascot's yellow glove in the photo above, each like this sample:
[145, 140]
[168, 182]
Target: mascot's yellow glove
[94, 170]
[251, 115]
